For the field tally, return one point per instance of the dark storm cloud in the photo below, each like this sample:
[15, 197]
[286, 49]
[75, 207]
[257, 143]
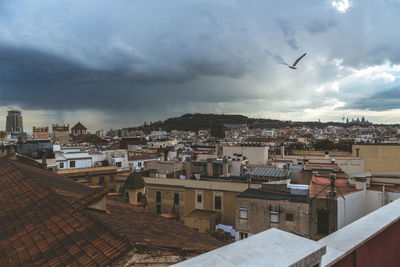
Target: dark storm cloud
[379, 101]
[38, 80]
[154, 56]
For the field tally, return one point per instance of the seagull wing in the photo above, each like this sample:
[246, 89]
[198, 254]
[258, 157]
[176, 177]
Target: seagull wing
[297, 60]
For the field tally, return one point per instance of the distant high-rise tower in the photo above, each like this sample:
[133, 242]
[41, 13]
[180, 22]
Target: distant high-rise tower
[14, 122]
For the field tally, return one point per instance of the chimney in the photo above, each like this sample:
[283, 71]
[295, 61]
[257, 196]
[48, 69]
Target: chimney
[282, 151]
[225, 167]
[210, 169]
[248, 180]
[44, 161]
[188, 168]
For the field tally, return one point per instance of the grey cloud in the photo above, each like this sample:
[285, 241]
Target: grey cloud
[379, 101]
[38, 80]
[157, 56]
[275, 56]
[289, 33]
[320, 25]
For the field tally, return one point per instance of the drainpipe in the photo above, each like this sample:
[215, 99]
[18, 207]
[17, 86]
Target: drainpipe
[383, 195]
[332, 177]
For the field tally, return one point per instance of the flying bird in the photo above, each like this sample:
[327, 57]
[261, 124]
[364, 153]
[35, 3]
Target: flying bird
[295, 63]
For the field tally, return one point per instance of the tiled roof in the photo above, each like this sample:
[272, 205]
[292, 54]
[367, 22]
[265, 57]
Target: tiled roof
[272, 195]
[39, 227]
[78, 126]
[268, 172]
[133, 223]
[89, 138]
[202, 214]
[141, 226]
[321, 185]
[64, 186]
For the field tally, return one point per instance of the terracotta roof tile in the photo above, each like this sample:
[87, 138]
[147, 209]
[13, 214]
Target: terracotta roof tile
[39, 227]
[71, 225]
[143, 227]
[321, 185]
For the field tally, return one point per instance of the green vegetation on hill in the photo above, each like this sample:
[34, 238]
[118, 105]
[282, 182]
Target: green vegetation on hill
[199, 121]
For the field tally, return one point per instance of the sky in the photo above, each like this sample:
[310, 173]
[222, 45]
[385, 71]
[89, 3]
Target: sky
[113, 64]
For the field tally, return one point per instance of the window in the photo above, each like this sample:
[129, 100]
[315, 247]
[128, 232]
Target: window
[158, 208]
[101, 180]
[158, 196]
[217, 202]
[118, 164]
[243, 213]
[112, 178]
[139, 164]
[139, 197]
[176, 199]
[72, 163]
[61, 165]
[243, 235]
[274, 216]
[289, 217]
[199, 198]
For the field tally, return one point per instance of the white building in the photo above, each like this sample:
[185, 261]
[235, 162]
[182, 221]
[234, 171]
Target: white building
[255, 154]
[118, 158]
[66, 161]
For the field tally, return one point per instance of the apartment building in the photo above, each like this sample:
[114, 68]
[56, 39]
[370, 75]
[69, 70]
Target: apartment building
[186, 195]
[255, 153]
[272, 206]
[378, 157]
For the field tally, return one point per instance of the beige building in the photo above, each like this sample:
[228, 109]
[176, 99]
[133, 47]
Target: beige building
[255, 154]
[94, 176]
[40, 133]
[60, 134]
[347, 162]
[260, 209]
[203, 220]
[379, 157]
[164, 169]
[184, 195]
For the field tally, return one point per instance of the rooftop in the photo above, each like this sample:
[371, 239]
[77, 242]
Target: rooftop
[202, 214]
[78, 126]
[272, 195]
[40, 227]
[125, 220]
[268, 172]
[320, 186]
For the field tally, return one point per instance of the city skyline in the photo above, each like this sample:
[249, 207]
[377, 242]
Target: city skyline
[150, 61]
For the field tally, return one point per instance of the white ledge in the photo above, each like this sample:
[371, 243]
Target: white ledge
[269, 248]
